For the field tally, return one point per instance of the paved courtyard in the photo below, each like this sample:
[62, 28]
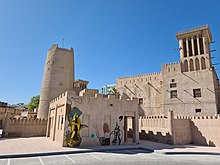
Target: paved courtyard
[45, 145]
[125, 157]
[43, 151]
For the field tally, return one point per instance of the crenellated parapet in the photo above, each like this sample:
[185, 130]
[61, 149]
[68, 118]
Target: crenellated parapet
[152, 117]
[171, 67]
[116, 97]
[55, 47]
[29, 121]
[107, 97]
[140, 79]
[23, 127]
[142, 75]
[199, 117]
[172, 64]
[154, 124]
[71, 97]
[196, 29]
[61, 98]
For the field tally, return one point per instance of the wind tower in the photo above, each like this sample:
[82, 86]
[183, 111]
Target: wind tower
[198, 82]
[58, 77]
[194, 46]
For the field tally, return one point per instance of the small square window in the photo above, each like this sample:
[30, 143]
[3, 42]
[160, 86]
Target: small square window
[197, 93]
[198, 110]
[141, 101]
[173, 80]
[173, 85]
[173, 94]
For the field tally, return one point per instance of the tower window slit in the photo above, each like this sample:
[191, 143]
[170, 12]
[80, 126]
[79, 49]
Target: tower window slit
[203, 63]
[201, 46]
[184, 48]
[190, 47]
[197, 64]
[195, 46]
[191, 65]
[185, 66]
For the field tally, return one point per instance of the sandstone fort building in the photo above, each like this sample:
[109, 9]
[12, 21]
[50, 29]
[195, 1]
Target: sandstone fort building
[179, 105]
[189, 87]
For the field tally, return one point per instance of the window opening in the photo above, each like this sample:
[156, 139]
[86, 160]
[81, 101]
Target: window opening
[201, 46]
[173, 94]
[190, 46]
[197, 93]
[198, 110]
[195, 45]
[184, 48]
[141, 101]
[173, 85]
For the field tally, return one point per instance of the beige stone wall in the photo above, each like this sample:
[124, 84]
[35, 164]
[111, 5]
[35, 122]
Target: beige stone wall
[217, 90]
[156, 91]
[24, 127]
[99, 114]
[155, 124]
[201, 130]
[155, 129]
[57, 115]
[205, 130]
[182, 131]
[51, 124]
[14, 126]
[148, 87]
[186, 104]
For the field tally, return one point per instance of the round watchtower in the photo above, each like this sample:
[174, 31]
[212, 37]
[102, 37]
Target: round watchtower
[58, 77]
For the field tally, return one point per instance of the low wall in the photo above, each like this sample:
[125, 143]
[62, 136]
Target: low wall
[181, 130]
[206, 130]
[24, 127]
[155, 128]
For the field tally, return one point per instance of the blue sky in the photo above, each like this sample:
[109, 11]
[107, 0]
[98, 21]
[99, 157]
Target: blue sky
[111, 38]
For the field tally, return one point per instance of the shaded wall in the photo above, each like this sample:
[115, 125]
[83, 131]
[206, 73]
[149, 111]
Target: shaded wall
[205, 130]
[181, 130]
[155, 128]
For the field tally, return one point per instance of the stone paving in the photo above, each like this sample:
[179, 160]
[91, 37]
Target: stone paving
[166, 148]
[30, 145]
[45, 145]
